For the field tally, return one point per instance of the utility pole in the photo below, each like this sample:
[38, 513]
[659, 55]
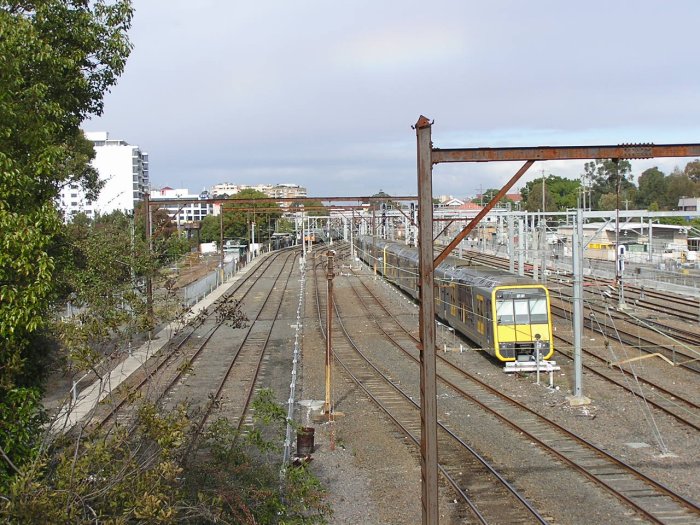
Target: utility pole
[543, 234]
[543, 186]
[149, 278]
[618, 253]
[329, 330]
[577, 259]
[221, 240]
[352, 239]
[511, 244]
[426, 280]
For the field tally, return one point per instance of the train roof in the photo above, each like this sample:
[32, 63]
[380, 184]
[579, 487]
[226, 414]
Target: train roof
[475, 274]
[458, 269]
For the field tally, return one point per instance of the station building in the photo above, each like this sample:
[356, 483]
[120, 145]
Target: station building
[643, 241]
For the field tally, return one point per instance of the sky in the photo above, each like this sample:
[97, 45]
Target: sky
[324, 93]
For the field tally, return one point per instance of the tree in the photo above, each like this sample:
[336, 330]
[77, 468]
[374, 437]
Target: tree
[609, 177]
[534, 197]
[692, 170]
[652, 187]
[57, 60]
[238, 219]
[560, 193]
[383, 199]
[489, 194]
[679, 185]
[318, 208]
[564, 191]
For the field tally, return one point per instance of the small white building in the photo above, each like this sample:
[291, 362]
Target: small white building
[641, 240]
[689, 203]
[185, 212]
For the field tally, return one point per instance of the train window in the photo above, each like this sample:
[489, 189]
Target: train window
[538, 310]
[504, 312]
[522, 312]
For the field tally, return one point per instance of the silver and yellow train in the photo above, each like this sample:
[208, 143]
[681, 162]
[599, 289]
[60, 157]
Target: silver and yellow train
[505, 314]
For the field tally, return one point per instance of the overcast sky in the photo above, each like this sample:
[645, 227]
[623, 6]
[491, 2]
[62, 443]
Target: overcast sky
[324, 93]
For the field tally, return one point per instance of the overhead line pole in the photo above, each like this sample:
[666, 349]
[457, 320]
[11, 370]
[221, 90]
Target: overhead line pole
[484, 211]
[427, 156]
[428, 387]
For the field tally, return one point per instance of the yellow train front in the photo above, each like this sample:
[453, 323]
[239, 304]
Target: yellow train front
[505, 314]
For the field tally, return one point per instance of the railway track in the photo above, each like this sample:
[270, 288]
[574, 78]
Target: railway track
[226, 376]
[676, 404]
[647, 497]
[634, 332]
[166, 379]
[684, 308]
[616, 327]
[486, 495]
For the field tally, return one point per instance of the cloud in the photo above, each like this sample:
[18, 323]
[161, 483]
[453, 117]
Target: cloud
[324, 93]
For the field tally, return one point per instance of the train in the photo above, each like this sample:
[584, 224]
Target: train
[322, 235]
[507, 315]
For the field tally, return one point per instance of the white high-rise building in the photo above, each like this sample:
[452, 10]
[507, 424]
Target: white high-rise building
[123, 167]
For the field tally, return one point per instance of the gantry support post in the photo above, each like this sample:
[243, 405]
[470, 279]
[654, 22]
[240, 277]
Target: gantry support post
[149, 277]
[221, 242]
[473, 223]
[428, 389]
[577, 260]
[329, 331]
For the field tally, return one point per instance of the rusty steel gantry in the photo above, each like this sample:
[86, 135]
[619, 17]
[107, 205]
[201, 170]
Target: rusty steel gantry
[427, 156]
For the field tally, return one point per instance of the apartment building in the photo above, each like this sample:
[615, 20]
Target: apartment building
[275, 191]
[124, 169]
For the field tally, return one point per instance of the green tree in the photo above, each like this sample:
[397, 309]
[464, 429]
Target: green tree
[239, 217]
[57, 60]
[560, 193]
[533, 202]
[652, 187]
[609, 177]
[383, 199]
[679, 185]
[489, 194]
[313, 207]
[564, 191]
[692, 170]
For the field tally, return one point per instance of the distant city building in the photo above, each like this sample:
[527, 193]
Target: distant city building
[186, 212]
[124, 169]
[452, 201]
[274, 191]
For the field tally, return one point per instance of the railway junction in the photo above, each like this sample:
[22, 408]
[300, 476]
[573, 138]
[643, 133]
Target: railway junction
[510, 450]
[400, 404]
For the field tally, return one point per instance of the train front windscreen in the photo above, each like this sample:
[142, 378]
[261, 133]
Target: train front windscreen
[527, 306]
[522, 323]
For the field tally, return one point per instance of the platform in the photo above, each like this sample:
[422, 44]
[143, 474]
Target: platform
[531, 365]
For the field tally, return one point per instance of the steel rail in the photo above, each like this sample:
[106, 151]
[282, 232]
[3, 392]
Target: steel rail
[216, 398]
[660, 488]
[168, 355]
[653, 388]
[531, 511]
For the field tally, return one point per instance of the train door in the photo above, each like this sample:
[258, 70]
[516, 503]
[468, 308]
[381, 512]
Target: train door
[480, 317]
[466, 305]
